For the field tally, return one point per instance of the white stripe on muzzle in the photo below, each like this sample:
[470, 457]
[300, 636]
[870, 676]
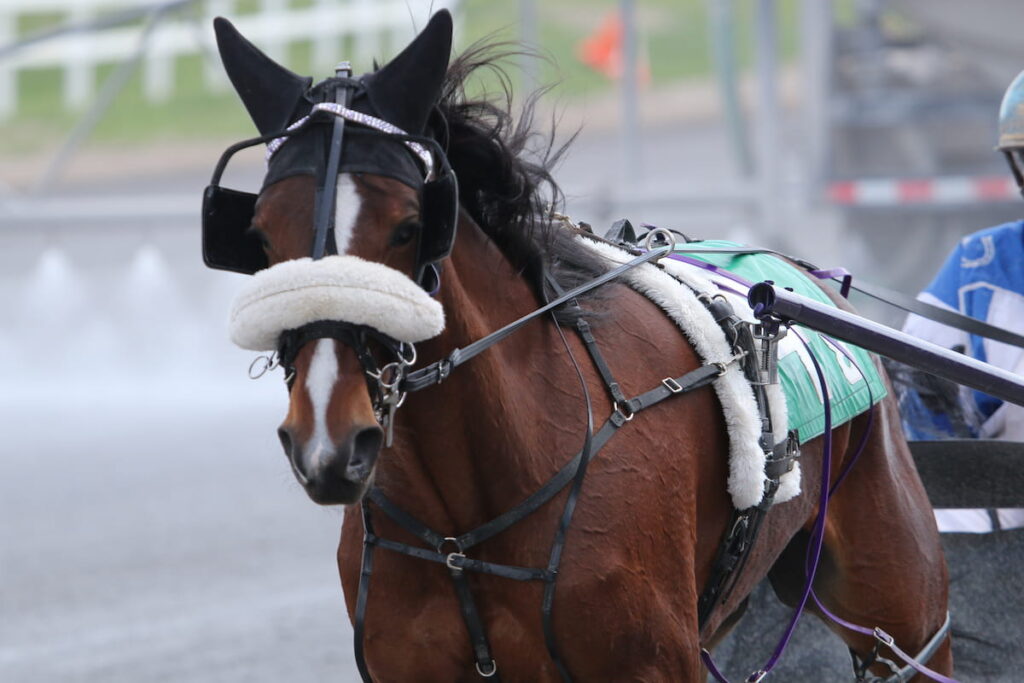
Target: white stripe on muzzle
[345, 288]
[323, 374]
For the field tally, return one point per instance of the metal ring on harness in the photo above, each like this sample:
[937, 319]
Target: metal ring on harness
[411, 359]
[659, 235]
[622, 408]
[269, 363]
[494, 669]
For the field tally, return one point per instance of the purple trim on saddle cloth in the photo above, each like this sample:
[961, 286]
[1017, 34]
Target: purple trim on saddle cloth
[821, 273]
[712, 267]
[829, 273]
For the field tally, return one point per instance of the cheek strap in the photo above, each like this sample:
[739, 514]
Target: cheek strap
[349, 289]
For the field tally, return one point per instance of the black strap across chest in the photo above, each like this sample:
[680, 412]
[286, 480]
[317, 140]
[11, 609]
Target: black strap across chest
[452, 551]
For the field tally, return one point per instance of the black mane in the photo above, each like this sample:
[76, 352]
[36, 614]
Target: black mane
[504, 169]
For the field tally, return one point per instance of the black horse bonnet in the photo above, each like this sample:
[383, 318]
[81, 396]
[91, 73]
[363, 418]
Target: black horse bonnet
[395, 123]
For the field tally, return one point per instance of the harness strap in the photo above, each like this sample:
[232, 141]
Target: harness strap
[914, 665]
[405, 520]
[695, 379]
[485, 664]
[364, 592]
[558, 544]
[614, 390]
[458, 561]
[323, 209]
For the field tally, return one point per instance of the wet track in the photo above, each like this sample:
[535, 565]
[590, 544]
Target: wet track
[189, 555]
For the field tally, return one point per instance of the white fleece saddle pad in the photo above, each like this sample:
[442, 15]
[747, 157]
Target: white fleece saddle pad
[746, 459]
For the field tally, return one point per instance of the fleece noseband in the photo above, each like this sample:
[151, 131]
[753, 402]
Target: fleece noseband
[294, 293]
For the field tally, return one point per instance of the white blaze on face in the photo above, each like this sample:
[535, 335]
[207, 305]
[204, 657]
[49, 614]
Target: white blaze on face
[346, 211]
[320, 380]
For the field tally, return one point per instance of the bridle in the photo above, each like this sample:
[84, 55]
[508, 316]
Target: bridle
[383, 381]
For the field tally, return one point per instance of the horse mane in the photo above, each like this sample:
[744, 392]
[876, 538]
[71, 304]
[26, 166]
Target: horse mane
[504, 166]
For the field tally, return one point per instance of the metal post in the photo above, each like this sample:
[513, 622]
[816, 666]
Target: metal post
[816, 52]
[630, 126]
[529, 39]
[112, 86]
[767, 115]
[723, 41]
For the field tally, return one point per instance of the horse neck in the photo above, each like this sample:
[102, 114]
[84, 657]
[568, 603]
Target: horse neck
[486, 437]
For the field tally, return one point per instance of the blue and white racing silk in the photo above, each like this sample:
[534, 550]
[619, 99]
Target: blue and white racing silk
[983, 278]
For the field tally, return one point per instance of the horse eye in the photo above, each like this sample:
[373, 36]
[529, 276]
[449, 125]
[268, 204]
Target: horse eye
[258, 235]
[405, 232]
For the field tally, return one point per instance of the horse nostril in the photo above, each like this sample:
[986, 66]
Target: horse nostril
[365, 446]
[286, 440]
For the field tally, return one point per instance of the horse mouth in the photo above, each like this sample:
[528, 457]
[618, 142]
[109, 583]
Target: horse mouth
[336, 491]
[336, 476]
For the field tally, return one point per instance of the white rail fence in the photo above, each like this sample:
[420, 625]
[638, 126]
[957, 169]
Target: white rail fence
[372, 26]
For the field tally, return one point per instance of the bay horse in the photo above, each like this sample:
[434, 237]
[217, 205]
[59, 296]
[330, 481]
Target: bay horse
[648, 519]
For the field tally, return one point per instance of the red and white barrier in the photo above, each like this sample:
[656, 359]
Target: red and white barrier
[923, 191]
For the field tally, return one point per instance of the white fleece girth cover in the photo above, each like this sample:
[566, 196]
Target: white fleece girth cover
[293, 293]
[746, 459]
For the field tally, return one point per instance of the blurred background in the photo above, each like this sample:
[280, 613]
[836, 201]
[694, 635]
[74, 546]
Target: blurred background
[150, 529]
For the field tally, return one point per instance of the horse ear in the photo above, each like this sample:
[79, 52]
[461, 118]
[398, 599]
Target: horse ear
[405, 90]
[268, 90]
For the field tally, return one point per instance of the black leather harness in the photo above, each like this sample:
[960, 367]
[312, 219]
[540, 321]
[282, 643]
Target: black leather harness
[452, 550]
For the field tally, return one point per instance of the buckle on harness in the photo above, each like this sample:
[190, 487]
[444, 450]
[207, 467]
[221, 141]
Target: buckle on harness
[452, 555]
[672, 385]
[448, 562]
[883, 637]
[622, 408]
[494, 669]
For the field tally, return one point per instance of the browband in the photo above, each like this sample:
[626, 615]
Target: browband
[339, 110]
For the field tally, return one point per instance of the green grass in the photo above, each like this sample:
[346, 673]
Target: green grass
[674, 39]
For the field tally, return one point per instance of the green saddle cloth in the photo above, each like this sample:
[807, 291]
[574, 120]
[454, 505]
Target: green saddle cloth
[852, 379]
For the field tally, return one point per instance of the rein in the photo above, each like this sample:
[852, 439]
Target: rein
[438, 371]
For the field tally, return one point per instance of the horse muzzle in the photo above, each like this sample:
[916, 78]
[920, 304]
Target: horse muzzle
[335, 474]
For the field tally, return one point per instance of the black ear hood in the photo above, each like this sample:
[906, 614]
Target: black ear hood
[271, 93]
[403, 92]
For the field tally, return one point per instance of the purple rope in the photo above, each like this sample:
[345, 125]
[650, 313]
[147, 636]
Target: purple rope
[813, 559]
[817, 535]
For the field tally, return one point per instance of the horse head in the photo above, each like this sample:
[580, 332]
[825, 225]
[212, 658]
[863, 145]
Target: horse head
[357, 208]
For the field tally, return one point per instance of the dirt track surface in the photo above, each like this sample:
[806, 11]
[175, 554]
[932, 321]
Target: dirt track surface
[175, 547]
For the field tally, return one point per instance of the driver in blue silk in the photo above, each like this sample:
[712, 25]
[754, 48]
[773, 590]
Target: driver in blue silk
[982, 278]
